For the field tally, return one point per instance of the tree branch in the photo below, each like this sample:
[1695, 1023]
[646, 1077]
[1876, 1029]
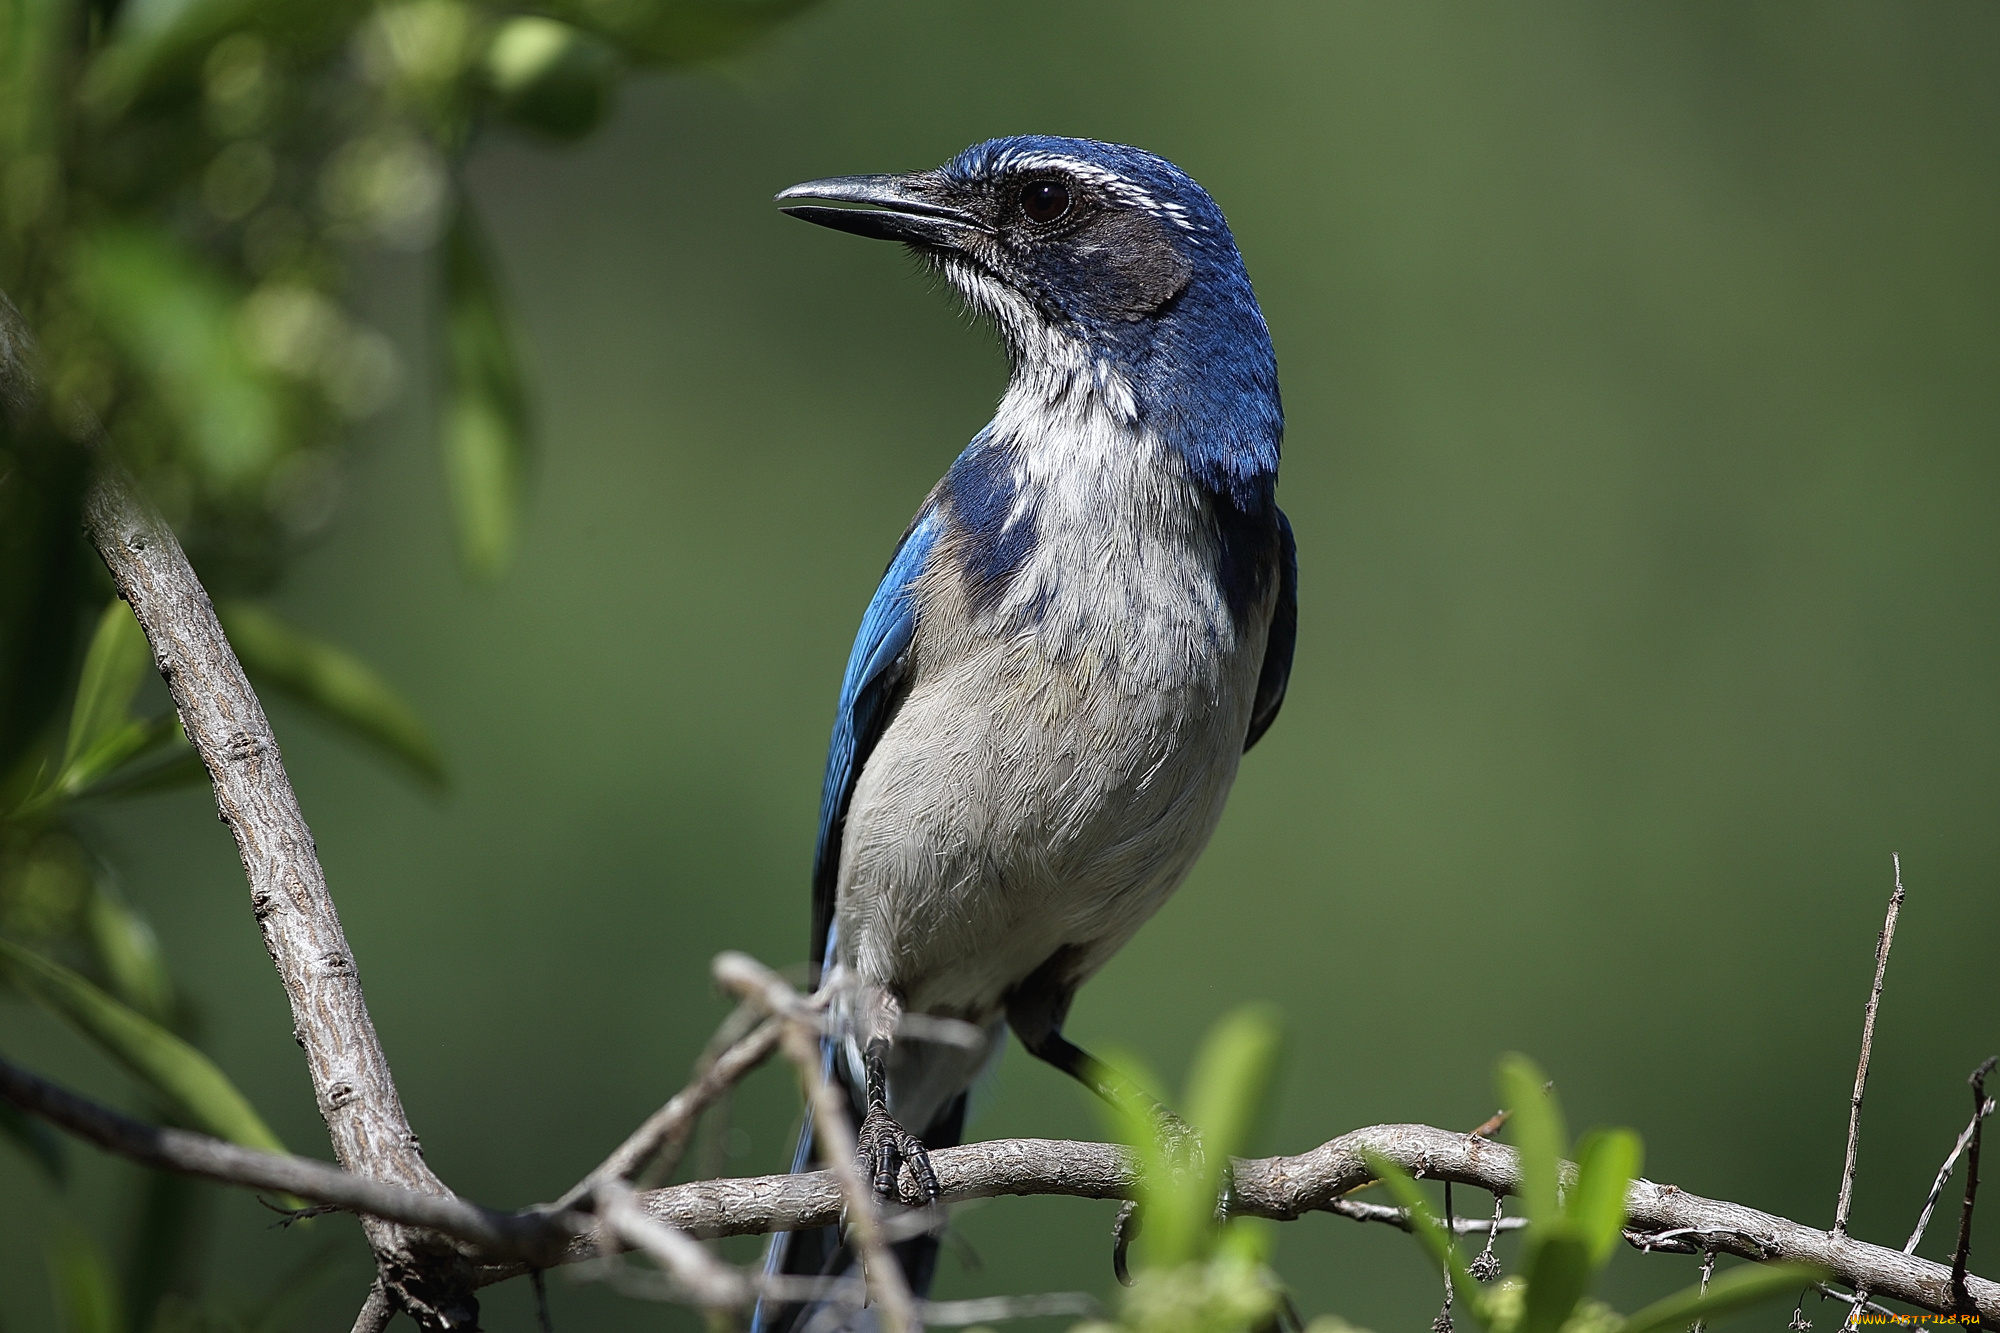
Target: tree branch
[1845, 1207]
[222, 717]
[751, 981]
[1960, 1297]
[528, 1236]
[670, 1124]
[509, 1244]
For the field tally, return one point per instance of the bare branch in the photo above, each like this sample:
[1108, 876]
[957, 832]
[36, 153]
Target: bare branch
[1845, 1208]
[749, 979]
[993, 1309]
[1707, 1274]
[527, 1236]
[1960, 1299]
[700, 1277]
[1944, 1174]
[376, 1311]
[222, 717]
[672, 1122]
[1861, 1303]
[1363, 1211]
[1660, 1216]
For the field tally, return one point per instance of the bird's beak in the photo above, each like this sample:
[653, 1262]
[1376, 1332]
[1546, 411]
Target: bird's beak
[893, 208]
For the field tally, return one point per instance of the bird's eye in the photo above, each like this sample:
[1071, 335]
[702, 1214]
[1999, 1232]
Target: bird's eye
[1045, 201]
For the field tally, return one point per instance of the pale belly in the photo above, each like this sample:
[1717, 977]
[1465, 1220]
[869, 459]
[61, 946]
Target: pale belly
[1017, 805]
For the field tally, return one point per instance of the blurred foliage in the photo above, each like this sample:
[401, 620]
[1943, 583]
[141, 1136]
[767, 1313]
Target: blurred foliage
[1197, 1273]
[183, 187]
[1572, 1232]
[1203, 1272]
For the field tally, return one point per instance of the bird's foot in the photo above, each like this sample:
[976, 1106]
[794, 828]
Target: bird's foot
[884, 1148]
[1124, 1230]
[1178, 1138]
[1183, 1147]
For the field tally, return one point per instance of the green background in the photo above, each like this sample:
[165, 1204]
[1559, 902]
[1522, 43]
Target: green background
[1641, 365]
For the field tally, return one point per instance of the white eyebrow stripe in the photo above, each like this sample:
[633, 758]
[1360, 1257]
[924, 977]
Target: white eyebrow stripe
[1110, 182]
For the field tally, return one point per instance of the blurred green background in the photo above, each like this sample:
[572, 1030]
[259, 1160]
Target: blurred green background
[1641, 370]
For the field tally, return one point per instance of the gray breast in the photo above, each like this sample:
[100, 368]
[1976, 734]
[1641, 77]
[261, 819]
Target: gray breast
[1061, 754]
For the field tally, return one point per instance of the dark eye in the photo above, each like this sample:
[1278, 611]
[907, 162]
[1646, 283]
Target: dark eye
[1045, 201]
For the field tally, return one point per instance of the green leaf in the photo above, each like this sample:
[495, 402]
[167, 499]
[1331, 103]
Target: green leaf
[115, 763]
[1425, 1226]
[1183, 1176]
[129, 953]
[1539, 1134]
[176, 321]
[485, 427]
[1231, 1078]
[333, 683]
[80, 1279]
[550, 76]
[37, 1140]
[1607, 1162]
[185, 1078]
[44, 887]
[1174, 1207]
[1559, 1272]
[161, 46]
[165, 762]
[675, 32]
[112, 670]
[1734, 1290]
[33, 34]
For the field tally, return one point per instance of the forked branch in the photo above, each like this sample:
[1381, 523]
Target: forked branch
[288, 893]
[1661, 1217]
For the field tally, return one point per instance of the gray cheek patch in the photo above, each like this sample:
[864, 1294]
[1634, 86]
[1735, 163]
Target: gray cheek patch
[1139, 268]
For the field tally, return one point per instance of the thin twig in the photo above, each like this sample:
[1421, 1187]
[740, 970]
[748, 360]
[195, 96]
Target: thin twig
[1961, 1301]
[376, 1311]
[1944, 1174]
[701, 1278]
[707, 1131]
[543, 1321]
[1442, 1323]
[1887, 938]
[1707, 1272]
[1363, 1211]
[670, 1124]
[1485, 1265]
[993, 1309]
[1274, 1187]
[527, 1235]
[749, 979]
[1859, 1301]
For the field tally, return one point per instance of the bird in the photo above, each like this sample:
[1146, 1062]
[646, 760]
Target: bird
[1088, 622]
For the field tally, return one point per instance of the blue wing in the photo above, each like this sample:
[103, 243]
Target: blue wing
[1284, 637]
[875, 670]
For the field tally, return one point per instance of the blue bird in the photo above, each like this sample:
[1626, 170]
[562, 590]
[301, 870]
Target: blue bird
[1088, 622]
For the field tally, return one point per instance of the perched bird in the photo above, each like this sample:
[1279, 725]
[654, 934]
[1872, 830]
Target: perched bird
[1088, 622]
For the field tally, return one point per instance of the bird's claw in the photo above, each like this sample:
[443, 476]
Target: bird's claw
[1178, 1138]
[1183, 1147]
[884, 1148]
[1124, 1230]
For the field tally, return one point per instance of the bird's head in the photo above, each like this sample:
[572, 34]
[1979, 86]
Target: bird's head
[1106, 268]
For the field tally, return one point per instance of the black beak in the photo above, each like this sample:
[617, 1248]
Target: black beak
[895, 209]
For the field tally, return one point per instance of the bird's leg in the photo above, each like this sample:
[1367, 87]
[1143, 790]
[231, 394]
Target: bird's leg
[1052, 1047]
[1036, 1010]
[885, 1146]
